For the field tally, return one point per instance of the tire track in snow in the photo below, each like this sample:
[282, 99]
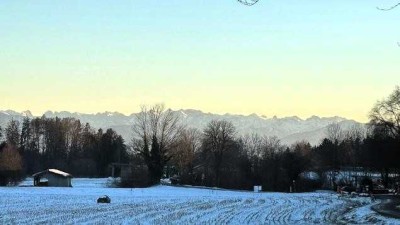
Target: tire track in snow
[216, 214]
[179, 206]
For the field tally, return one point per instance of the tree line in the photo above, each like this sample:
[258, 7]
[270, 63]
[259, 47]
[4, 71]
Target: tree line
[216, 156]
[162, 147]
[66, 144]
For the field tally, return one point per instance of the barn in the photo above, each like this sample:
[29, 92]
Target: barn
[52, 178]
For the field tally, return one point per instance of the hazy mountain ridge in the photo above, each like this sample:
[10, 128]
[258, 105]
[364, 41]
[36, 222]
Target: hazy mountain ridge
[288, 129]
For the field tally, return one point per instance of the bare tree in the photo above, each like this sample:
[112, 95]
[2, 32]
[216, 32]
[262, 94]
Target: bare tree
[253, 145]
[271, 145]
[302, 147]
[356, 131]
[386, 113]
[10, 160]
[252, 2]
[334, 133]
[389, 8]
[260, 147]
[156, 132]
[10, 164]
[218, 138]
[188, 145]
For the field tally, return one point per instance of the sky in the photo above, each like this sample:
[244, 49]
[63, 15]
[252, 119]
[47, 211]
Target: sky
[283, 58]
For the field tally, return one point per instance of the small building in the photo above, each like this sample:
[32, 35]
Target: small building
[52, 178]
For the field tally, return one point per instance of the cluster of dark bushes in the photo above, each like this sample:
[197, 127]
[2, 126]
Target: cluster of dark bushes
[10, 165]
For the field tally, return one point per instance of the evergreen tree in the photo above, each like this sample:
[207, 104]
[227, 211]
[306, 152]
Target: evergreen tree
[111, 149]
[157, 163]
[25, 135]
[12, 133]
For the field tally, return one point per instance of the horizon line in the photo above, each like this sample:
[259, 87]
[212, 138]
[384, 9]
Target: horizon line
[176, 110]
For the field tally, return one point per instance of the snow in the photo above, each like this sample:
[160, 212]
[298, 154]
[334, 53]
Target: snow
[184, 114]
[27, 113]
[55, 171]
[5, 113]
[59, 172]
[310, 175]
[165, 204]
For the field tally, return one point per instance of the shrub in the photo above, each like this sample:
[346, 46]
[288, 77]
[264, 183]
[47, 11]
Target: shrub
[10, 165]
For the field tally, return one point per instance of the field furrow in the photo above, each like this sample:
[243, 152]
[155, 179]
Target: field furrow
[173, 205]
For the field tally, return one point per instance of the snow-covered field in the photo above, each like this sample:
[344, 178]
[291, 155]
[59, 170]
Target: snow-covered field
[166, 205]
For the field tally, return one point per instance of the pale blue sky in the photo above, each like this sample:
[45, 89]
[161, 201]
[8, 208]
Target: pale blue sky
[275, 58]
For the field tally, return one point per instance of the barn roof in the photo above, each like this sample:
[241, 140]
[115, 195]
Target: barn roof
[53, 171]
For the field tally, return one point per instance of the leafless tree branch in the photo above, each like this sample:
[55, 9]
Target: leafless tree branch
[248, 2]
[389, 8]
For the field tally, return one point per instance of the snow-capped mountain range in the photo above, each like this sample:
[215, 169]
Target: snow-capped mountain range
[288, 129]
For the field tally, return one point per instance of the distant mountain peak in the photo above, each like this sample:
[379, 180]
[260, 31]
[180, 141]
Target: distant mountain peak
[13, 113]
[254, 115]
[313, 117]
[191, 110]
[293, 118]
[110, 114]
[183, 113]
[27, 113]
[48, 112]
[289, 129]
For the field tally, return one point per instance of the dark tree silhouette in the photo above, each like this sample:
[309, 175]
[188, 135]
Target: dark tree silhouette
[156, 132]
[386, 113]
[218, 139]
[12, 133]
[10, 164]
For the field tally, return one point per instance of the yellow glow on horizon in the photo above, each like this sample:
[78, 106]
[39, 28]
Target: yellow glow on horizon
[93, 57]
